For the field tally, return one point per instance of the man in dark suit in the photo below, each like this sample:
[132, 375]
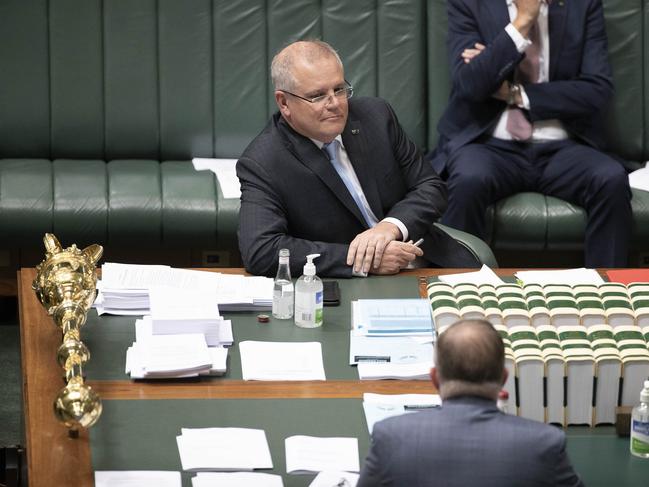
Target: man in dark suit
[530, 80]
[337, 177]
[467, 441]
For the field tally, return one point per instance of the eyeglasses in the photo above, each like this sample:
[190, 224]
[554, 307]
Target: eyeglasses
[340, 93]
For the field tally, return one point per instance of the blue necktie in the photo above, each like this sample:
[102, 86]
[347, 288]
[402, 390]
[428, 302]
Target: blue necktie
[332, 152]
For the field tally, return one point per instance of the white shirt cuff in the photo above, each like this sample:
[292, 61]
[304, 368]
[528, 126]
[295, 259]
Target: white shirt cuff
[525, 99]
[520, 41]
[402, 228]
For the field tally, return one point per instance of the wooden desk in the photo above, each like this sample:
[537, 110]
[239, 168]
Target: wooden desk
[55, 459]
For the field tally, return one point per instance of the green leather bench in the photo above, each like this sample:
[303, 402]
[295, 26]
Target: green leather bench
[104, 103]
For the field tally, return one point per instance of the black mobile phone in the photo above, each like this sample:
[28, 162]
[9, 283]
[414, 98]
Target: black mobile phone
[331, 293]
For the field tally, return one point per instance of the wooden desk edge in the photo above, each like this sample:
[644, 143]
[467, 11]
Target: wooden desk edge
[52, 457]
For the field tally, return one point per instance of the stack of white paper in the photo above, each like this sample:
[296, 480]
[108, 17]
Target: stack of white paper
[165, 356]
[223, 449]
[164, 348]
[329, 479]
[124, 288]
[215, 335]
[380, 406]
[134, 478]
[237, 479]
[308, 454]
[281, 360]
[176, 311]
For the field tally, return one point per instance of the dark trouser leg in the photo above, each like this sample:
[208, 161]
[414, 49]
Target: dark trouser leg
[478, 175]
[588, 178]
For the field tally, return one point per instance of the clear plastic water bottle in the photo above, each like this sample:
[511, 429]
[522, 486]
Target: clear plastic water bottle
[639, 444]
[283, 288]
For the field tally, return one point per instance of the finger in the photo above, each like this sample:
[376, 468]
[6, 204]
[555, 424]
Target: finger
[414, 250]
[480, 47]
[353, 249]
[365, 261]
[379, 251]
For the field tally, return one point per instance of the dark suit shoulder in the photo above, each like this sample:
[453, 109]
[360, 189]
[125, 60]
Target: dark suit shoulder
[368, 107]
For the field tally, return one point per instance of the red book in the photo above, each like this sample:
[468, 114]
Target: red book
[625, 276]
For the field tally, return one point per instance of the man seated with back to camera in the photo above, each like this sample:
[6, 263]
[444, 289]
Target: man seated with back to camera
[338, 177]
[468, 440]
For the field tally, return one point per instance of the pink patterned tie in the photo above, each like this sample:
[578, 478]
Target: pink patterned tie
[518, 125]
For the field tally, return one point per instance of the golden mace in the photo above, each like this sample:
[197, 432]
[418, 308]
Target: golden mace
[65, 284]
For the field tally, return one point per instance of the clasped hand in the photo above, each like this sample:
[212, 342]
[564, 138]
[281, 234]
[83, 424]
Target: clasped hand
[377, 250]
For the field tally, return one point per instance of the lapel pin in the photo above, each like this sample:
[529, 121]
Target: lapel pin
[355, 131]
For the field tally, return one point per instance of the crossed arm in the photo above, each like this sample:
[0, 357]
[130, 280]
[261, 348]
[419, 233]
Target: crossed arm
[480, 69]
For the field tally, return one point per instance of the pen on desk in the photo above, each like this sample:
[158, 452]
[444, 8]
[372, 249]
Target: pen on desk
[371, 358]
[419, 242]
[419, 407]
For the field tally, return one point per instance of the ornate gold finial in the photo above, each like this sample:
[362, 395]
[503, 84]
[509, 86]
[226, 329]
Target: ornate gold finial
[65, 284]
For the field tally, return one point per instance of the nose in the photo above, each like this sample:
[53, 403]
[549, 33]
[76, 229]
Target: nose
[332, 102]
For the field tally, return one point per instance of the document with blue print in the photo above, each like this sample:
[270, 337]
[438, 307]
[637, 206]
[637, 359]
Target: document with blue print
[392, 317]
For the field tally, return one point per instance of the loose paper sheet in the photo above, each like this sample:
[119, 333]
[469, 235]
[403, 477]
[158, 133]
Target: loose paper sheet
[223, 449]
[281, 360]
[484, 276]
[137, 478]
[226, 173]
[307, 454]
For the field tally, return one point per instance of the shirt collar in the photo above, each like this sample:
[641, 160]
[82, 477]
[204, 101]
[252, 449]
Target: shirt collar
[319, 144]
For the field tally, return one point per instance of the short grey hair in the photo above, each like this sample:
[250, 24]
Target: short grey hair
[281, 68]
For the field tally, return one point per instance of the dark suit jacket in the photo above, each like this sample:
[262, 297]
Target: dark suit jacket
[467, 442]
[293, 198]
[580, 75]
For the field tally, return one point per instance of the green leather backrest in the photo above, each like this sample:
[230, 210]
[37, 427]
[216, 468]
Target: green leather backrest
[171, 79]
[629, 58]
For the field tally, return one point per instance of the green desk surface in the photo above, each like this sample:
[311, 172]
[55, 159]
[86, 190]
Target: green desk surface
[108, 337]
[140, 434]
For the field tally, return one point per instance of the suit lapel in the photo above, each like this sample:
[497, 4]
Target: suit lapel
[556, 28]
[316, 160]
[354, 141]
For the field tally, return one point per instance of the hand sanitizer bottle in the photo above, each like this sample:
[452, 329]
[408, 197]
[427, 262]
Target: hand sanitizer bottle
[308, 296]
[639, 445]
[283, 288]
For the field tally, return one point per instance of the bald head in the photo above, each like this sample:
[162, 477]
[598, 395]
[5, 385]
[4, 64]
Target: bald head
[309, 52]
[470, 359]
